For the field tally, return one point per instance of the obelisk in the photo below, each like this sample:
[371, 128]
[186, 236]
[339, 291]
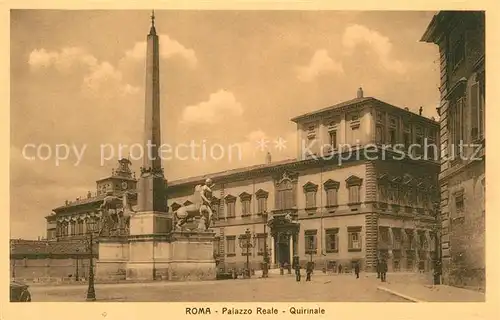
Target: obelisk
[151, 195]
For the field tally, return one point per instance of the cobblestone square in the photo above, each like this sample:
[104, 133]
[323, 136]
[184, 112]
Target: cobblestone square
[327, 288]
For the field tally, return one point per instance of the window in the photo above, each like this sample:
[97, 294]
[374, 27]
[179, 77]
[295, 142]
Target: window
[261, 205]
[310, 241]
[245, 204]
[285, 194]
[379, 136]
[333, 138]
[354, 194]
[217, 246]
[79, 229]
[393, 130]
[261, 196]
[353, 184]
[354, 238]
[380, 118]
[332, 240]
[230, 206]
[261, 242]
[459, 205]
[456, 125]
[331, 188]
[310, 199]
[419, 140]
[231, 245]
[311, 132]
[73, 227]
[310, 190]
[457, 53]
[477, 110]
[407, 136]
[432, 149]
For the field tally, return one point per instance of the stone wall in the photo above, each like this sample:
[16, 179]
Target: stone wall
[49, 269]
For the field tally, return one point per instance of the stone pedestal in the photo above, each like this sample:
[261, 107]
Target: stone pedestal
[150, 222]
[113, 257]
[152, 252]
[192, 256]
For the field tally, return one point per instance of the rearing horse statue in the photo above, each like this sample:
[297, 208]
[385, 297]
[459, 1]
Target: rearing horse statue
[200, 208]
[120, 214]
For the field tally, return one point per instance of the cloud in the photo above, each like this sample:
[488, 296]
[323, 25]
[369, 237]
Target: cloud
[320, 64]
[221, 104]
[356, 34]
[168, 48]
[101, 78]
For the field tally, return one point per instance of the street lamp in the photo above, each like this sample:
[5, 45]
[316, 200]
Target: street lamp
[91, 225]
[437, 244]
[265, 265]
[77, 277]
[247, 242]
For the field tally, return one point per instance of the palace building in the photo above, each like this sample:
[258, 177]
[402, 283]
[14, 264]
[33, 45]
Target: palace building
[460, 36]
[363, 186]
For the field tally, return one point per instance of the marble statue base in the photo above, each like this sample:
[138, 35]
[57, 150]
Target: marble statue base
[113, 257]
[151, 252]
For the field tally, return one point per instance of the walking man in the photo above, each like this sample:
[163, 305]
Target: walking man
[379, 265]
[309, 269]
[297, 272]
[383, 270]
[356, 269]
[340, 268]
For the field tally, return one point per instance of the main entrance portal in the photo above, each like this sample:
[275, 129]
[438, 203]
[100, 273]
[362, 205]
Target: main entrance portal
[285, 233]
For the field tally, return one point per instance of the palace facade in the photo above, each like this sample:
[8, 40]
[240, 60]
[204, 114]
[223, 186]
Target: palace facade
[363, 185]
[460, 36]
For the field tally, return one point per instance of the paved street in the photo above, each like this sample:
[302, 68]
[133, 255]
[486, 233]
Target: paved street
[341, 288]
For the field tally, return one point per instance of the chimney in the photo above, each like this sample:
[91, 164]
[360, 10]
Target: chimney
[420, 111]
[268, 157]
[360, 93]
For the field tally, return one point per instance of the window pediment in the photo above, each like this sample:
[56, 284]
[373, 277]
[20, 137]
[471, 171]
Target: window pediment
[215, 200]
[175, 206]
[396, 180]
[261, 194]
[309, 186]
[408, 180]
[244, 196]
[285, 176]
[331, 184]
[230, 198]
[383, 178]
[353, 181]
[457, 90]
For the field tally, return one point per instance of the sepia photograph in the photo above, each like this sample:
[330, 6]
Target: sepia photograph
[247, 155]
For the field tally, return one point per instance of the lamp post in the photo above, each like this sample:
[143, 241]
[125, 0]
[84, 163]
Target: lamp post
[437, 245]
[265, 271]
[90, 241]
[247, 242]
[77, 276]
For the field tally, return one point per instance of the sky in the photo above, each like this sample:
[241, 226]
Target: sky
[227, 79]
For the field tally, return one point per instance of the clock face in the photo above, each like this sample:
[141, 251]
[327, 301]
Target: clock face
[124, 185]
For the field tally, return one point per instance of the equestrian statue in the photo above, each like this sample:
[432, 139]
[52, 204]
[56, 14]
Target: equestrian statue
[116, 213]
[201, 207]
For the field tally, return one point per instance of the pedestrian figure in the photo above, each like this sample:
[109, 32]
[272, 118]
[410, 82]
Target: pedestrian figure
[340, 268]
[383, 270]
[309, 269]
[437, 272]
[297, 272]
[379, 267]
[356, 269]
